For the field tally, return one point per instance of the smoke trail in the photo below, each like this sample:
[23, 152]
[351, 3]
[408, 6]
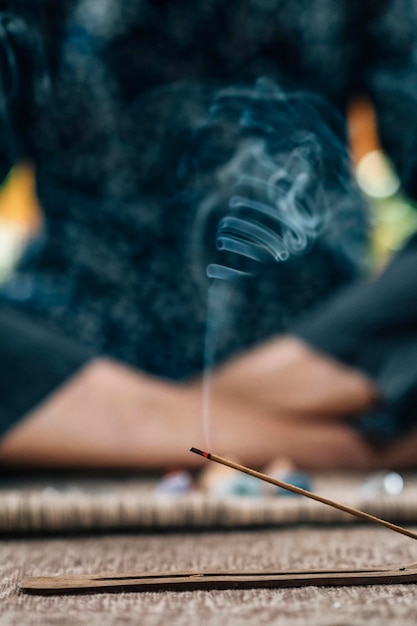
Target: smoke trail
[283, 184]
[219, 305]
[249, 237]
[277, 204]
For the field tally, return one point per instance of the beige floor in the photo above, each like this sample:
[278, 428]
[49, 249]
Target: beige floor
[284, 548]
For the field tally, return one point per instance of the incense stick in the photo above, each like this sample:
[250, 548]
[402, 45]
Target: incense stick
[304, 492]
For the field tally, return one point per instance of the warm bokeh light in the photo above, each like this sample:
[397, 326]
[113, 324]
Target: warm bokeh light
[376, 176]
[20, 216]
[394, 214]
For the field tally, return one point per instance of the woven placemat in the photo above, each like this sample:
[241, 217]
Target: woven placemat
[74, 503]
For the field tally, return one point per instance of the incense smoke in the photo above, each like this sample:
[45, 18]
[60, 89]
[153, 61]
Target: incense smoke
[284, 185]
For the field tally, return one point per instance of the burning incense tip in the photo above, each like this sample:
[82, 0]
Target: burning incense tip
[206, 455]
[304, 492]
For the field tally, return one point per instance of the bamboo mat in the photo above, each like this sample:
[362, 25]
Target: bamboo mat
[79, 503]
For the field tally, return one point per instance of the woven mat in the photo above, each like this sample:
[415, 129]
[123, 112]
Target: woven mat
[74, 503]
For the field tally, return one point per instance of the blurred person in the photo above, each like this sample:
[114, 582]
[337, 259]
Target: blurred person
[103, 324]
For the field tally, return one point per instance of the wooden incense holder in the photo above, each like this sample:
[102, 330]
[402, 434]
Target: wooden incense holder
[186, 581]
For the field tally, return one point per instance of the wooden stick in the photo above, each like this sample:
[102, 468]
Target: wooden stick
[304, 492]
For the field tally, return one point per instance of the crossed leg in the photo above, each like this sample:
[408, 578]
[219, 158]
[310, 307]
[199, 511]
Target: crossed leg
[283, 399]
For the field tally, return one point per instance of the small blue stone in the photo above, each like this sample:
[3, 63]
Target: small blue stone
[297, 479]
